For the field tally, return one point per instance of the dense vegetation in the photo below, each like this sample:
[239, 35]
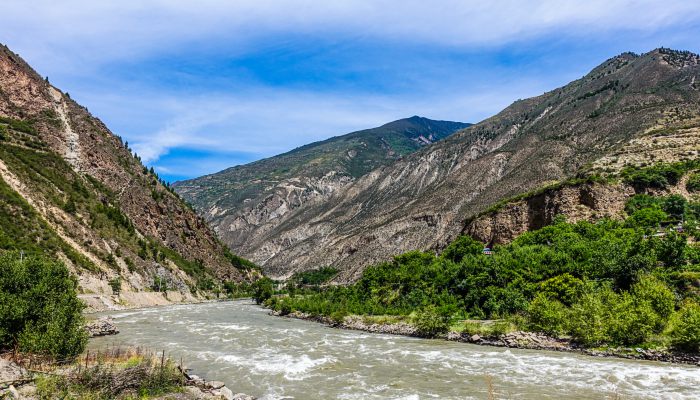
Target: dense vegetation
[618, 282]
[658, 176]
[40, 312]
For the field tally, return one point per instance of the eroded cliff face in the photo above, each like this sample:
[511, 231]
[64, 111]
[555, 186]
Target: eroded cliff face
[261, 215]
[94, 194]
[584, 202]
[424, 200]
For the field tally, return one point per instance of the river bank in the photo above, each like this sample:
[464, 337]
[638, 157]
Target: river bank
[238, 343]
[113, 373]
[517, 339]
[100, 302]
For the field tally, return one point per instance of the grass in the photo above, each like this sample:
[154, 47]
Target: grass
[113, 374]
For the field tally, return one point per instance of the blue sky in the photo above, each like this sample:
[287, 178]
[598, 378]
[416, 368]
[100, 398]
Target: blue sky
[198, 86]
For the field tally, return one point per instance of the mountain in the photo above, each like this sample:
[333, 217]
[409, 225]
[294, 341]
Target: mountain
[71, 189]
[632, 109]
[246, 202]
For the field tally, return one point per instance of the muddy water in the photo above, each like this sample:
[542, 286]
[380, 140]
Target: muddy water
[279, 358]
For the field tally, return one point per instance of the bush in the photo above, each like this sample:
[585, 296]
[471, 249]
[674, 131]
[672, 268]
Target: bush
[657, 176]
[547, 315]
[565, 288]
[39, 308]
[685, 328]
[631, 322]
[339, 316]
[693, 184]
[591, 315]
[284, 307]
[658, 296]
[650, 217]
[116, 285]
[430, 321]
[262, 290]
[675, 206]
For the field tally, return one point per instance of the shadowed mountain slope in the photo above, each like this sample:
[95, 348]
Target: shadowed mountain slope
[73, 190]
[247, 201]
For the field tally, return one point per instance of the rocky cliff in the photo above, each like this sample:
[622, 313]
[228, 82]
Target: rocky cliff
[72, 189]
[247, 202]
[425, 199]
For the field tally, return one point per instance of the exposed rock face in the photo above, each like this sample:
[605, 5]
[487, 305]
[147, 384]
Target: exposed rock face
[75, 184]
[587, 202]
[248, 202]
[424, 200]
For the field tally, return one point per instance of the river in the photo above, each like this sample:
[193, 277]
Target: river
[278, 358]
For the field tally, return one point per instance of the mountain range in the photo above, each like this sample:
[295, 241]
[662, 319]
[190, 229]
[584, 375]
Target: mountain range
[631, 109]
[245, 202]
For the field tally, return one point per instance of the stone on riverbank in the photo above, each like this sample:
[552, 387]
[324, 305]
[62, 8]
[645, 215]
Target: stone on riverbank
[101, 327]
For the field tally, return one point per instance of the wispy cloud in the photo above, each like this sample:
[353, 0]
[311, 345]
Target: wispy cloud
[101, 31]
[198, 86]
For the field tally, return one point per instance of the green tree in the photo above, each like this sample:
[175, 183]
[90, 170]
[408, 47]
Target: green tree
[547, 315]
[693, 184]
[262, 290]
[39, 308]
[650, 217]
[431, 321]
[591, 315]
[685, 328]
[116, 285]
[675, 206]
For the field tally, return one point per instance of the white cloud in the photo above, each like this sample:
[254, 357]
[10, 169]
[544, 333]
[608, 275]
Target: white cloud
[80, 33]
[75, 38]
[269, 121]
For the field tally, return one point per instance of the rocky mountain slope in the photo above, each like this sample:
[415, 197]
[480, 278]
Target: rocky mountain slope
[631, 108]
[246, 202]
[70, 188]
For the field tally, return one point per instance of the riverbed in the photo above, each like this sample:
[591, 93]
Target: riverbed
[270, 357]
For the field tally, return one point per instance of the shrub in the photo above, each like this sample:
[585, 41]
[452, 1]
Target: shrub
[693, 184]
[39, 308]
[675, 205]
[116, 285]
[685, 328]
[284, 307]
[565, 288]
[650, 217]
[339, 316]
[591, 315]
[262, 290]
[659, 297]
[657, 176]
[430, 321]
[631, 322]
[547, 315]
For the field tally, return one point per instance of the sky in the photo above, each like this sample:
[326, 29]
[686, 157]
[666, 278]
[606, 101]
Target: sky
[199, 86]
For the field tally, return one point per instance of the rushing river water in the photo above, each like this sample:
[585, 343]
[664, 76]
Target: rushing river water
[280, 358]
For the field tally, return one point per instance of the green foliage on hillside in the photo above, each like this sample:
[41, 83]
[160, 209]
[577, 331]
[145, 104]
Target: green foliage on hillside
[604, 282]
[22, 229]
[52, 178]
[313, 277]
[693, 184]
[39, 309]
[658, 176]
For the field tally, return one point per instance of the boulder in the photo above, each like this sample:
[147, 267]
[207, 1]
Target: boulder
[215, 384]
[242, 396]
[101, 327]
